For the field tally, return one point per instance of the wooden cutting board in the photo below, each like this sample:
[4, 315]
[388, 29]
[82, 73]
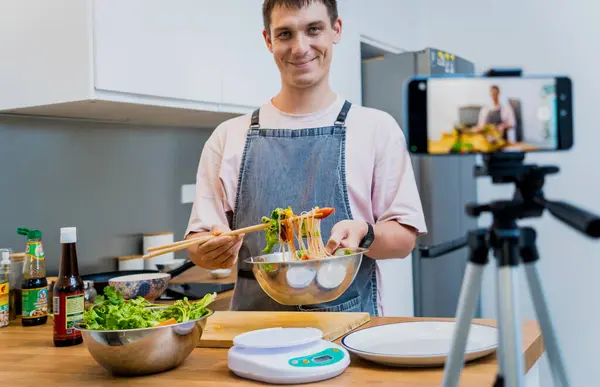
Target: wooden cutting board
[223, 326]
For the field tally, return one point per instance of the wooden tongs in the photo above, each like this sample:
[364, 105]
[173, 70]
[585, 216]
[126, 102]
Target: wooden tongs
[155, 251]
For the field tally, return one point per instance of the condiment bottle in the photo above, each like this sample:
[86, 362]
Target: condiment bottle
[35, 284]
[68, 299]
[4, 287]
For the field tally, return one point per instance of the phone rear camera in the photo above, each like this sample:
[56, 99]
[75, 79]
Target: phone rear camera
[563, 113]
[422, 86]
[563, 97]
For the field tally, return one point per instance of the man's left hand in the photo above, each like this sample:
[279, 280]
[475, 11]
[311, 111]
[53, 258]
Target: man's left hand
[346, 234]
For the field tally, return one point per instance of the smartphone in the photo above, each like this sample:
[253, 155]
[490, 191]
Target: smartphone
[470, 114]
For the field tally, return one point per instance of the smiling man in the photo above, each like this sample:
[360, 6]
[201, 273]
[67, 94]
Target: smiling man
[306, 147]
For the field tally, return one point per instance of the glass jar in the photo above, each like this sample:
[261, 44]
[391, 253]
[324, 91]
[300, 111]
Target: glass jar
[17, 261]
[90, 293]
[5, 270]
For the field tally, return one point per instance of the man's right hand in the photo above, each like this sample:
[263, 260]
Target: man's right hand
[220, 252]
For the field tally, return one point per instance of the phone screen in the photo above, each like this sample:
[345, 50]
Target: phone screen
[490, 114]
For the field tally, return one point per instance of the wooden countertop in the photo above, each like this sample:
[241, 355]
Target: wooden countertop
[29, 359]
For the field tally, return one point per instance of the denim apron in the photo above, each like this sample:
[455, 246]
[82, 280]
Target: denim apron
[301, 168]
[495, 117]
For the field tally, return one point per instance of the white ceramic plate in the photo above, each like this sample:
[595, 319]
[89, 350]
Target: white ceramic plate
[418, 344]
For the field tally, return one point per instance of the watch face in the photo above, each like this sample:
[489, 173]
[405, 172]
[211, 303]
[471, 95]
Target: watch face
[368, 239]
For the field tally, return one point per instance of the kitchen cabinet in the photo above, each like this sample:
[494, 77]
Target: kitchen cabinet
[251, 77]
[180, 62]
[140, 61]
[159, 49]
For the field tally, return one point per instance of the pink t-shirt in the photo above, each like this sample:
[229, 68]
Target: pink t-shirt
[379, 175]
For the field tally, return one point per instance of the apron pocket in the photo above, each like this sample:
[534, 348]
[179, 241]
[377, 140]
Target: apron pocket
[352, 305]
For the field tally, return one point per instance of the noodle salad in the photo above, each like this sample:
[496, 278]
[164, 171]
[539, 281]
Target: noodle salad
[285, 228]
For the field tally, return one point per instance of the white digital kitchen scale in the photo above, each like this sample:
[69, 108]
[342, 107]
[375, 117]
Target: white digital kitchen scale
[286, 356]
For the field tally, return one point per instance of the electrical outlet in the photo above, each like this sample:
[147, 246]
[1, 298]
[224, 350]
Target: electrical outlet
[188, 193]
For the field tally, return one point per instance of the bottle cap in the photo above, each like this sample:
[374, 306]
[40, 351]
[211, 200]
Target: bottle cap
[68, 235]
[31, 234]
[5, 256]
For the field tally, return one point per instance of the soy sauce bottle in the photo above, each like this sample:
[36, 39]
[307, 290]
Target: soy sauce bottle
[68, 302]
[35, 284]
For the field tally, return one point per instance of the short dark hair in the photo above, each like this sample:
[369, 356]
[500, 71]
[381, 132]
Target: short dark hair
[269, 5]
[495, 87]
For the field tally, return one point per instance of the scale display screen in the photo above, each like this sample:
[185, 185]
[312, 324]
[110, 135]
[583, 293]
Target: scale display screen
[323, 358]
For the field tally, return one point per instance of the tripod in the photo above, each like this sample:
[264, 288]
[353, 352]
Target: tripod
[510, 244]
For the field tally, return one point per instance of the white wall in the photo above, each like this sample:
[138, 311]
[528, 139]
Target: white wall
[391, 22]
[382, 21]
[543, 37]
[346, 58]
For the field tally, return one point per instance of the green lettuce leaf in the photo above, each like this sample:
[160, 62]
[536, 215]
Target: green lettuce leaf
[272, 233]
[112, 312]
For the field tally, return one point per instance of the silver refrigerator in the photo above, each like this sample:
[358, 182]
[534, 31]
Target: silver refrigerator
[445, 183]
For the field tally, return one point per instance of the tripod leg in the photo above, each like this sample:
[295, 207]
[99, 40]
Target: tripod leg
[510, 357]
[466, 307]
[510, 361]
[530, 256]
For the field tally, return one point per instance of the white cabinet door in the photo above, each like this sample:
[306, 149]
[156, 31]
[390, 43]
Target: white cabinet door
[250, 76]
[44, 52]
[169, 49]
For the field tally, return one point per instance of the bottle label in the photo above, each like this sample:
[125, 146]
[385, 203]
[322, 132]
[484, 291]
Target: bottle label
[68, 309]
[4, 297]
[35, 303]
[35, 250]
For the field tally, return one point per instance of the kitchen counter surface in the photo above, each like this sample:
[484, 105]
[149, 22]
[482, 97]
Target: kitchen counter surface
[29, 359]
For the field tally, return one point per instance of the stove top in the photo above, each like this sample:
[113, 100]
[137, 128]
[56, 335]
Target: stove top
[193, 291]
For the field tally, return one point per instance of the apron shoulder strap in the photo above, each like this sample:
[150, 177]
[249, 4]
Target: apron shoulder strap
[254, 120]
[341, 118]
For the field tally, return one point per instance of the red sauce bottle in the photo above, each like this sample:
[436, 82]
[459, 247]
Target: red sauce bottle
[68, 303]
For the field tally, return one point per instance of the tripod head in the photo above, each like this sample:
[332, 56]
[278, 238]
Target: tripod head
[528, 200]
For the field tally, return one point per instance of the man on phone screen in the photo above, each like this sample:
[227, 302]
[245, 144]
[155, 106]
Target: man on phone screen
[500, 115]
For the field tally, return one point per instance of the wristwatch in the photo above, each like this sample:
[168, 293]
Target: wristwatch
[367, 239]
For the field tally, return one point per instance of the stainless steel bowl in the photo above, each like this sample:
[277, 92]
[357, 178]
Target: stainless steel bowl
[146, 350]
[293, 282]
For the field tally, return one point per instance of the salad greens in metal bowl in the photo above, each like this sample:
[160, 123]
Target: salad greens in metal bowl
[113, 312]
[137, 337]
